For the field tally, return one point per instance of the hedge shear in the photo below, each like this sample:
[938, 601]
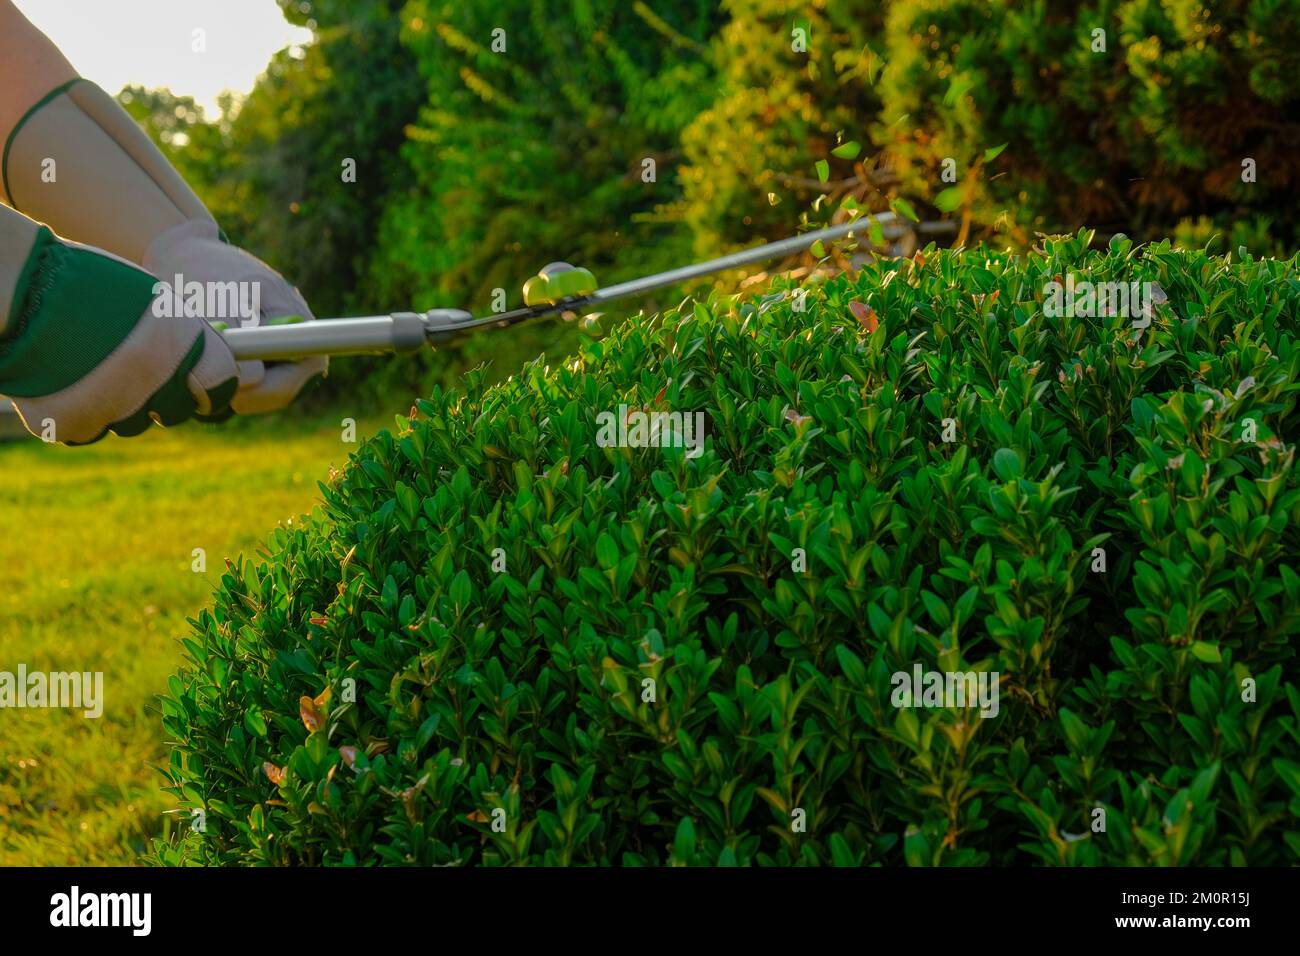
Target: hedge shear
[559, 287]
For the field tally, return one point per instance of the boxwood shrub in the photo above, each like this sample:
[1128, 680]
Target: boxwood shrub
[498, 642]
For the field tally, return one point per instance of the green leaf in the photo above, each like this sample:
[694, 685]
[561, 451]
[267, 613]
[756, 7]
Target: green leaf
[684, 841]
[904, 209]
[957, 89]
[461, 589]
[426, 731]
[823, 170]
[1207, 652]
[841, 855]
[916, 849]
[606, 551]
[852, 666]
[938, 611]
[1007, 465]
[949, 199]
[993, 152]
[1143, 413]
[1289, 771]
[847, 150]
[1018, 759]
[1077, 733]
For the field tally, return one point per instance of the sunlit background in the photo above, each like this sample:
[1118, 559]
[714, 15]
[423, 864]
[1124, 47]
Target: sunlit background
[151, 42]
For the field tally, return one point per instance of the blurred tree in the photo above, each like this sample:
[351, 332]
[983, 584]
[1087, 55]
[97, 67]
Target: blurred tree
[1126, 116]
[793, 77]
[344, 100]
[535, 143]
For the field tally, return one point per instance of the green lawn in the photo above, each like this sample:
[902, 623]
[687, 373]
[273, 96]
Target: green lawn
[96, 549]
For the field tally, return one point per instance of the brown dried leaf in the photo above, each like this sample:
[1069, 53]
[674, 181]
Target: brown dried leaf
[865, 315]
[312, 714]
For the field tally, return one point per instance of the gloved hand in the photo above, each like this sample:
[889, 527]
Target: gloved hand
[116, 191]
[193, 252]
[83, 347]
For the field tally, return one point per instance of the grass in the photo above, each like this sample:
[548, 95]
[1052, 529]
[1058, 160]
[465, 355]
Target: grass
[96, 553]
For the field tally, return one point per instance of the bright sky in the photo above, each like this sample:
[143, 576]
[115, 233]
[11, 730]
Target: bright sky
[151, 42]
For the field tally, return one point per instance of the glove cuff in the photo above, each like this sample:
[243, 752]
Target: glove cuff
[71, 308]
[13, 134]
[78, 161]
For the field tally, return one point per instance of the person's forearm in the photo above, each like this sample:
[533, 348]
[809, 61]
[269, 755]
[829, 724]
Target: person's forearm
[75, 160]
[32, 66]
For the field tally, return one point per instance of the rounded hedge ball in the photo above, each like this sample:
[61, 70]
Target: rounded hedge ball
[753, 582]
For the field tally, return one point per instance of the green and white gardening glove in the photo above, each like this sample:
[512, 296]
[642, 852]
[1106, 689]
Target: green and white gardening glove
[84, 350]
[80, 163]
